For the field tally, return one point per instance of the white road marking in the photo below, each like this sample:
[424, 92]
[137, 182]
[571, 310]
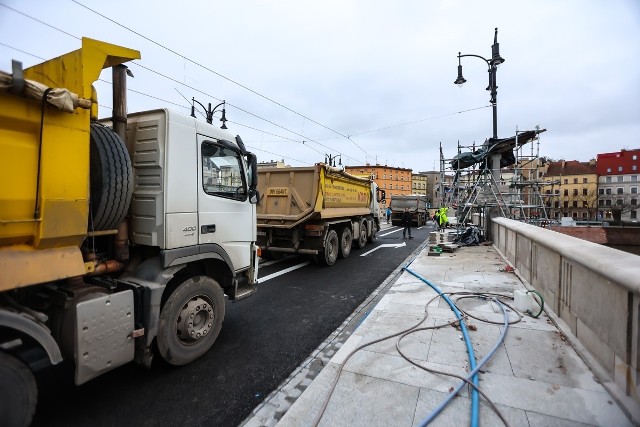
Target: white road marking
[386, 245]
[391, 232]
[281, 272]
[273, 261]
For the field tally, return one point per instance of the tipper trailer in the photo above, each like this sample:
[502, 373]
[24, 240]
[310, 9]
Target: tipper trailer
[319, 211]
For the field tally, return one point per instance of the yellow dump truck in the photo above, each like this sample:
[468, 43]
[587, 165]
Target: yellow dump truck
[112, 250]
[319, 211]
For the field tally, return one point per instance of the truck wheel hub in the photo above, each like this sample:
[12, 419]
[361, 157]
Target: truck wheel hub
[195, 320]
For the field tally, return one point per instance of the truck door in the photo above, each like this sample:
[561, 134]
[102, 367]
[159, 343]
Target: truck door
[225, 216]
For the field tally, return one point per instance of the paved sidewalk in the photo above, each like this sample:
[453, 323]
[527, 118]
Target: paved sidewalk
[535, 378]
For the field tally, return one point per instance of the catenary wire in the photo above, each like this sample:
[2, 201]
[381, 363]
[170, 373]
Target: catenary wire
[221, 75]
[188, 86]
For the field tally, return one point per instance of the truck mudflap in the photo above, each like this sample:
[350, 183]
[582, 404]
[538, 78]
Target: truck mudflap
[246, 283]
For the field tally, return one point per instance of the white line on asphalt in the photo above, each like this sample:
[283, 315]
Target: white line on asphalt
[273, 261]
[281, 272]
[391, 232]
[386, 245]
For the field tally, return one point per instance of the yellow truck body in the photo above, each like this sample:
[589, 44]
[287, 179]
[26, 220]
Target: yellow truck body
[295, 194]
[319, 211]
[44, 165]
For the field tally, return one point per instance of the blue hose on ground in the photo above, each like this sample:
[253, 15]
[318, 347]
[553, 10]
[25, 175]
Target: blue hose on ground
[475, 408]
[473, 375]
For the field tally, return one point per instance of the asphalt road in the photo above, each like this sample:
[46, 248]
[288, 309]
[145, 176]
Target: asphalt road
[263, 339]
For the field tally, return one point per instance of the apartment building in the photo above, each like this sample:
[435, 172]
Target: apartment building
[618, 185]
[576, 195]
[394, 181]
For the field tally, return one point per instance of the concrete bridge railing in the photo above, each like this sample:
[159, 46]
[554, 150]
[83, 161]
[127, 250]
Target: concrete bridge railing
[594, 289]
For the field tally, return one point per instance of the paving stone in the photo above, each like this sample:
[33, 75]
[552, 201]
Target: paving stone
[457, 412]
[557, 364]
[585, 406]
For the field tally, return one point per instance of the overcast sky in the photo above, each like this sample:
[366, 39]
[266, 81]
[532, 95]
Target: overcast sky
[371, 80]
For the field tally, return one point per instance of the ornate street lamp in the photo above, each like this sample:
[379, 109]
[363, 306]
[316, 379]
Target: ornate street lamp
[492, 65]
[209, 112]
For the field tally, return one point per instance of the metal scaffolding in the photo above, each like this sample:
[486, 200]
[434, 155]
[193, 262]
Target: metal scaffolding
[498, 178]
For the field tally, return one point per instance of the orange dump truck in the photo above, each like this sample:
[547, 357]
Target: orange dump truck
[319, 211]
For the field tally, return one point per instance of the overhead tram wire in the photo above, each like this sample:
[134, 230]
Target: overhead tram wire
[37, 20]
[183, 84]
[186, 107]
[220, 75]
[306, 138]
[421, 120]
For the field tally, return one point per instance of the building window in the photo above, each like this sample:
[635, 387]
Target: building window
[585, 204]
[566, 192]
[575, 180]
[584, 191]
[608, 179]
[619, 168]
[634, 157]
[633, 215]
[584, 215]
[608, 170]
[566, 181]
[557, 191]
[633, 202]
[566, 204]
[547, 192]
[634, 178]
[584, 180]
[634, 190]
[575, 204]
[634, 167]
[601, 191]
[575, 214]
[607, 190]
[384, 186]
[575, 191]
[384, 176]
[619, 202]
[556, 204]
[600, 202]
[607, 202]
[620, 190]
[621, 179]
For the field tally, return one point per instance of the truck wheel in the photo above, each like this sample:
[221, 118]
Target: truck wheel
[330, 253]
[374, 229]
[111, 178]
[19, 392]
[346, 239]
[362, 237]
[190, 320]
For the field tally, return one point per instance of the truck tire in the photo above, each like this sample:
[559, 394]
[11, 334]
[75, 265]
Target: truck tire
[372, 237]
[330, 252]
[346, 240]
[190, 320]
[19, 392]
[111, 178]
[361, 241]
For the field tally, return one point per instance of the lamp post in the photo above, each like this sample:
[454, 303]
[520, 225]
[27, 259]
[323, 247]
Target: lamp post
[492, 65]
[209, 112]
[331, 160]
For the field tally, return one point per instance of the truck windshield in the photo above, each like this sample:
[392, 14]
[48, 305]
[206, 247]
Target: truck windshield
[222, 172]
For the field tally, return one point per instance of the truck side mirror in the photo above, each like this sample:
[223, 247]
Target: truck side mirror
[381, 196]
[252, 160]
[254, 196]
